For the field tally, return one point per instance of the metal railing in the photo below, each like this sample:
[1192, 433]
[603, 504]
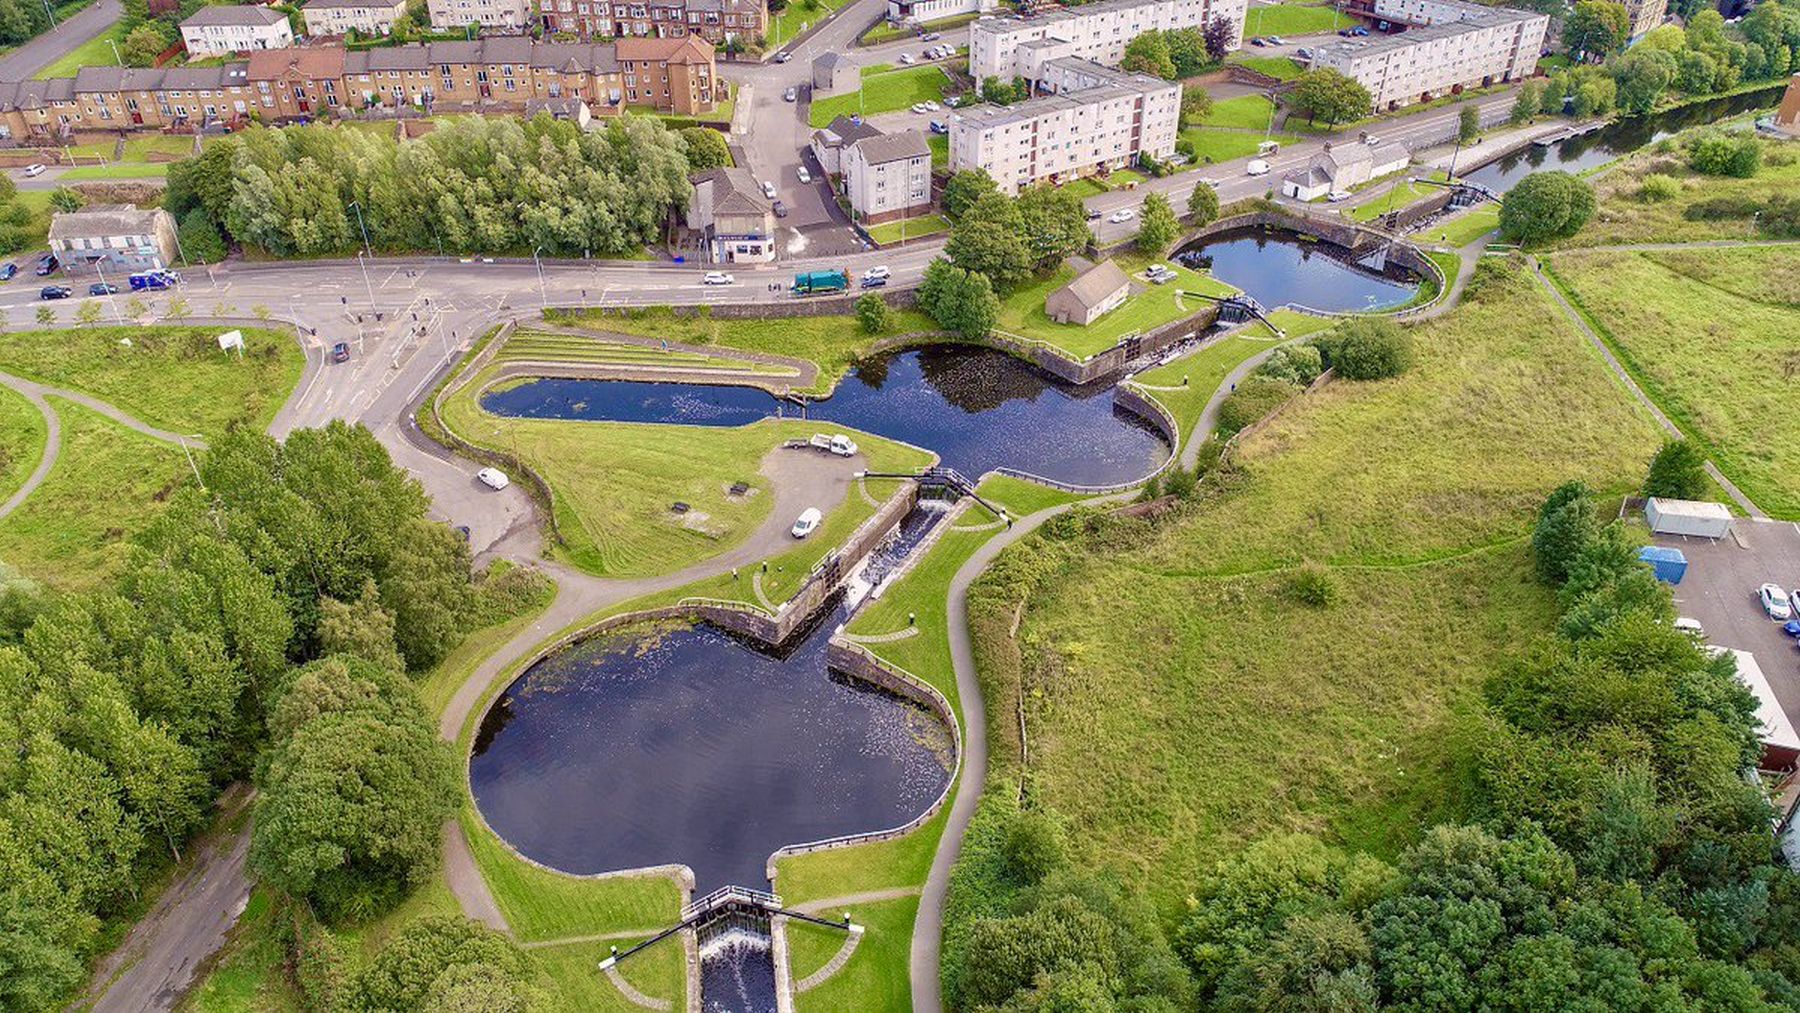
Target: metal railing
[727, 895]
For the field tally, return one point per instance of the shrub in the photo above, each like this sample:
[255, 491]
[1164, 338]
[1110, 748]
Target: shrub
[1658, 188]
[1546, 205]
[1033, 847]
[1179, 482]
[1312, 585]
[1678, 471]
[1297, 364]
[1716, 153]
[872, 313]
[1253, 399]
[1368, 348]
[1565, 526]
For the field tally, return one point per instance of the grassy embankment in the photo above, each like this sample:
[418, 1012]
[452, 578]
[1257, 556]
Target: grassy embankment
[1234, 128]
[1147, 308]
[1179, 702]
[1187, 384]
[884, 92]
[22, 438]
[1625, 216]
[1293, 19]
[1708, 334]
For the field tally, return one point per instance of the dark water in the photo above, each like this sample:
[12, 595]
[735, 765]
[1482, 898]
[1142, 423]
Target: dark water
[689, 746]
[979, 409]
[737, 974]
[1617, 138]
[1278, 268]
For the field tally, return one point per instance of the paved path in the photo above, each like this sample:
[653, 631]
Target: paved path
[69, 35]
[52, 448]
[823, 904]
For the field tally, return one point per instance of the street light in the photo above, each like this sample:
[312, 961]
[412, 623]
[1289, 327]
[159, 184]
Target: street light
[364, 264]
[357, 207]
[111, 296]
[120, 60]
[543, 293]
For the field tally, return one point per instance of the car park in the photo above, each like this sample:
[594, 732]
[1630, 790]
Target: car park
[807, 523]
[340, 352]
[791, 94]
[47, 264]
[55, 292]
[1121, 215]
[717, 278]
[768, 189]
[1775, 602]
[102, 288]
[803, 175]
[34, 169]
[493, 478]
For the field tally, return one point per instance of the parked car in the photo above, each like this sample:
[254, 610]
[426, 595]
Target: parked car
[768, 189]
[34, 169]
[102, 288]
[1359, 31]
[906, 60]
[1774, 602]
[930, 37]
[879, 271]
[1093, 214]
[918, 107]
[1159, 274]
[807, 523]
[47, 264]
[1794, 603]
[871, 281]
[805, 176]
[783, 56]
[340, 352]
[493, 478]
[1691, 627]
[940, 127]
[1121, 215]
[55, 292]
[1257, 167]
[791, 94]
[718, 278]
[8, 272]
[1276, 40]
[781, 210]
[1258, 41]
[1303, 53]
[1338, 196]
[932, 107]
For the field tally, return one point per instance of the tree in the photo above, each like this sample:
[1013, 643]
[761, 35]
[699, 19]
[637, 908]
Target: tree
[1330, 96]
[1158, 226]
[1677, 471]
[961, 301]
[65, 199]
[88, 314]
[1368, 348]
[1565, 526]
[1220, 35]
[200, 237]
[46, 316]
[143, 45]
[1717, 153]
[1055, 225]
[1596, 28]
[1468, 124]
[990, 239]
[706, 148]
[360, 629]
[872, 313]
[439, 961]
[1528, 103]
[177, 309]
[1196, 105]
[1546, 205]
[1203, 205]
[964, 189]
[1641, 75]
[1149, 54]
[1187, 50]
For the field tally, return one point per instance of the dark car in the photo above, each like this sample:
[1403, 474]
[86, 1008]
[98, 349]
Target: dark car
[781, 210]
[783, 56]
[872, 281]
[102, 288]
[1093, 215]
[340, 352]
[7, 272]
[47, 264]
[1258, 41]
[55, 292]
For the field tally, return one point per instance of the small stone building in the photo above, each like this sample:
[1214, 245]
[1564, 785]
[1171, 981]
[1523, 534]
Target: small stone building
[1094, 293]
[834, 72]
[116, 237]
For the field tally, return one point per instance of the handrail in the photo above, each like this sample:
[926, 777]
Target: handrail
[731, 604]
[724, 893]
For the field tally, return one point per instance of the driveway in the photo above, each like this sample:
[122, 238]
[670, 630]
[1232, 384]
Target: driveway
[68, 35]
[1720, 591]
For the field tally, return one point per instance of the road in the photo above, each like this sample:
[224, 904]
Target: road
[68, 36]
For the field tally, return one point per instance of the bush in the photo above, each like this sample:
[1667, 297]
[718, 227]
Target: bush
[872, 313]
[1546, 205]
[1658, 188]
[1033, 847]
[1716, 153]
[1678, 471]
[1179, 482]
[1368, 348]
[1253, 399]
[1299, 365]
[1313, 585]
[1565, 526]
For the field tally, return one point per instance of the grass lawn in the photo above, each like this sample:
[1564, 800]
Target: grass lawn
[1709, 334]
[1225, 144]
[140, 149]
[875, 980]
[940, 150]
[174, 378]
[797, 17]
[833, 342]
[1293, 19]
[912, 228]
[889, 33]
[1241, 712]
[1192, 379]
[541, 905]
[22, 436]
[1280, 68]
[1020, 497]
[578, 985]
[117, 170]
[1148, 307]
[96, 52]
[883, 93]
[547, 346]
[107, 482]
[1391, 194]
[1246, 112]
[1465, 228]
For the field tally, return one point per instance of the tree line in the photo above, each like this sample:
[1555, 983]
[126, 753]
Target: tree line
[263, 626]
[473, 185]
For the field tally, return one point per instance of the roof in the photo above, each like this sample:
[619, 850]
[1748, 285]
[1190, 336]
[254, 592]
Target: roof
[734, 191]
[1470, 17]
[892, 147]
[843, 131]
[352, 4]
[1094, 285]
[1688, 508]
[832, 61]
[312, 62]
[687, 49]
[1312, 175]
[105, 220]
[1778, 729]
[234, 15]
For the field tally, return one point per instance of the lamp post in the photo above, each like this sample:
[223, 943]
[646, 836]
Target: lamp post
[111, 296]
[357, 207]
[543, 293]
[190, 456]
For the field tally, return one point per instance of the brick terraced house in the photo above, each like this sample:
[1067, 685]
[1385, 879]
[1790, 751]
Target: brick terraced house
[716, 21]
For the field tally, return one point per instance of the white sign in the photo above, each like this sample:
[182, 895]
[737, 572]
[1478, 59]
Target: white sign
[230, 340]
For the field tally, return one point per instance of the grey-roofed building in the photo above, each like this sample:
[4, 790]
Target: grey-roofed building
[221, 29]
[1094, 293]
[829, 141]
[1013, 46]
[506, 15]
[113, 238]
[888, 176]
[338, 17]
[730, 217]
[1344, 166]
[834, 72]
[1446, 46]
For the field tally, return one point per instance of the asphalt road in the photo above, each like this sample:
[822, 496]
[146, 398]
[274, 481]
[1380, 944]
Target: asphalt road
[68, 35]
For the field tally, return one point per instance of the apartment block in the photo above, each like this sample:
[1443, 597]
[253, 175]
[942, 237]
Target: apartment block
[887, 176]
[1446, 47]
[505, 15]
[908, 12]
[501, 74]
[1645, 15]
[1098, 120]
[1020, 46]
[717, 21]
[222, 30]
[339, 17]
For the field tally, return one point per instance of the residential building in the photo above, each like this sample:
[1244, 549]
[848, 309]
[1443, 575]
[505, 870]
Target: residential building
[1446, 47]
[505, 15]
[1099, 120]
[1787, 115]
[113, 237]
[716, 21]
[733, 218]
[888, 176]
[1343, 167]
[1094, 293]
[829, 141]
[833, 72]
[1014, 46]
[338, 17]
[500, 74]
[914, 12]
[1645, 15]
[220, 30]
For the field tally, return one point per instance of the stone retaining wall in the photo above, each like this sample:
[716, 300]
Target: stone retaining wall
[832, 570]
[795, 306]
[1349, 235]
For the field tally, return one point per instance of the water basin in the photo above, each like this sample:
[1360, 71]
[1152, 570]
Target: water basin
[1278, 268]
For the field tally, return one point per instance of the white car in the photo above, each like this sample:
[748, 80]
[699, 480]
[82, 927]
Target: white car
[918, 107]
[805, 177]
[1121, 215]
[808, 522]
[768, 189]
[1691, 627]
[877, 272]
[1775, 602]
[34, 169]
[1338, 196]
[906, 60]
[1209, 181]
[1257, 167]
[493, 478]
[932, 107]
[718, 278]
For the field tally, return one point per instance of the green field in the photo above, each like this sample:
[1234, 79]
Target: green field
[1246, 112]
[22, 436]
[1223, 145]
[96, 52]
[174, 378]
[1242, 712]
[912, 228]
[884, 32]
[1293, 19]
[883, 93]
[1465, 228]
[1627, 217]
[1709, 334]
[875, 980]
[1148, 307]
[117, 170]
[550, 346]
[798, 17]
[1192, 379]
[1280, 68]
[170, 147]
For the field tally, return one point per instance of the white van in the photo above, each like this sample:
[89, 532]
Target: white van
[1257, 167]
[808, 522]
[493, 478]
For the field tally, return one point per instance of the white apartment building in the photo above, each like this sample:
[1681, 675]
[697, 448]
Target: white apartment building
[1645, 15]
[337, 17]
[910, 12]
[1009, 47]
[221, 31]
[1450, 46]
[510, 15]
[887, 176]
[1098, 120]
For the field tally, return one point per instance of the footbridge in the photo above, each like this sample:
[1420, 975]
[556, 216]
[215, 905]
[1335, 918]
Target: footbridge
[940, 477]
[1237, 309]
[725, 904]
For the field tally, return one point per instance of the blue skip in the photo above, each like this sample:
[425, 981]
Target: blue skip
[1668, 564]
